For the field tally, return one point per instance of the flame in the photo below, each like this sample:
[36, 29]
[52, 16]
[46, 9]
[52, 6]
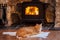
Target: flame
[32, 10]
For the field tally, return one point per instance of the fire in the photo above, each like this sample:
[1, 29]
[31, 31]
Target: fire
[32, 10]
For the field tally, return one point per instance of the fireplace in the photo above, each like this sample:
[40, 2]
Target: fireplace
[33, 12]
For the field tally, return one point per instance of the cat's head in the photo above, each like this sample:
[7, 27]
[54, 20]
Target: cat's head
[38, 27]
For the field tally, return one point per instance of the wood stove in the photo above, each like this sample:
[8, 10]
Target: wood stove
[33, 12]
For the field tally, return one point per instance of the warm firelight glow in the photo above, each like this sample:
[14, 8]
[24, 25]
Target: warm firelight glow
[31, 10]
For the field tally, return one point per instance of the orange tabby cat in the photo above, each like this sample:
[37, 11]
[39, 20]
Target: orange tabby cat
[25, 31]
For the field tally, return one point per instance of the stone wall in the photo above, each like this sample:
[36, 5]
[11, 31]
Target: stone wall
[57, 20]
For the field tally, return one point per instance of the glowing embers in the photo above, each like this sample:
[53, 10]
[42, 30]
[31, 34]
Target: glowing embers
[32, 10]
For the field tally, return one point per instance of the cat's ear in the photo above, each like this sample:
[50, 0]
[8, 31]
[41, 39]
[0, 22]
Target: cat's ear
[36, 26]
[41, 25]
